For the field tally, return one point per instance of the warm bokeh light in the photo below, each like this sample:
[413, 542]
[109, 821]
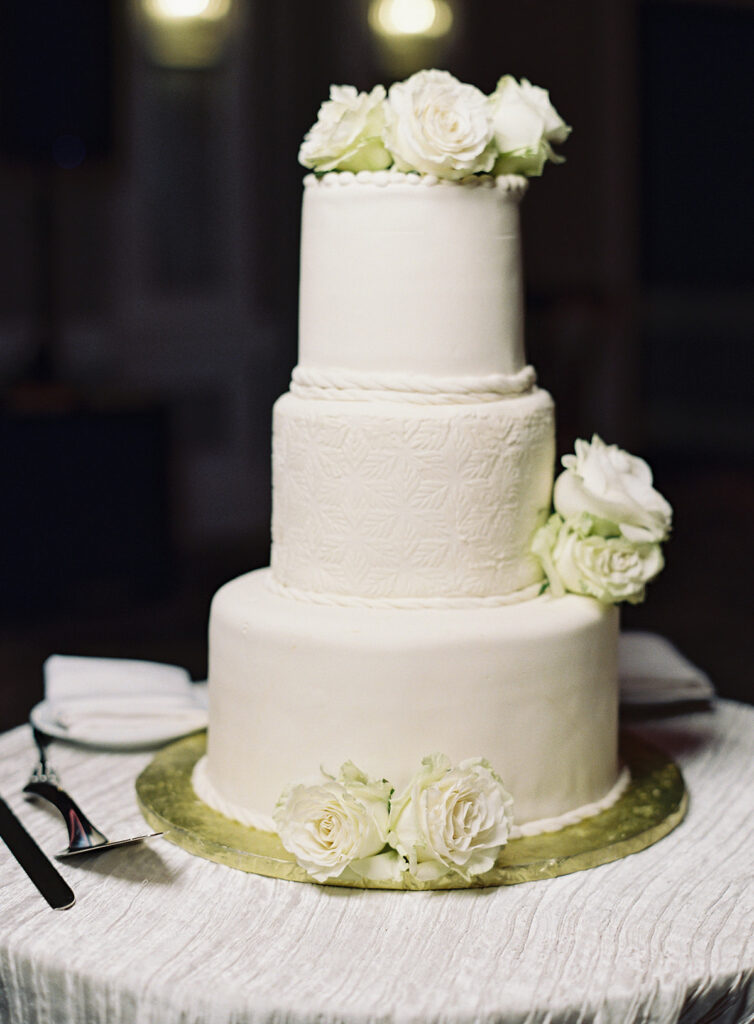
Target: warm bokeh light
[429, 18]
[179, 10]
[186, 33]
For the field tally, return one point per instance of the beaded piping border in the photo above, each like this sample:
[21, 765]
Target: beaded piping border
[513, 184]
[353, 386]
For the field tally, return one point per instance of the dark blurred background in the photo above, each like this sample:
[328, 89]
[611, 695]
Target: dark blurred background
[149, 216]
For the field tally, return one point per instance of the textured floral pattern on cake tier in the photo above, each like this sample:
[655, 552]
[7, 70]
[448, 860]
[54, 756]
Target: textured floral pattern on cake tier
[437, 502]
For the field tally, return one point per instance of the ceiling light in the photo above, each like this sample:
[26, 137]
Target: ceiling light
[414, 18]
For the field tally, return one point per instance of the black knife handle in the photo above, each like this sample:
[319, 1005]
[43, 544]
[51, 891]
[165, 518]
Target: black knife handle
[34, 861]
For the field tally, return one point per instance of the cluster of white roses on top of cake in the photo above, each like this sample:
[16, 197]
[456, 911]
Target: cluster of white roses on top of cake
[434, 124]
[447, 820]
[604, 537]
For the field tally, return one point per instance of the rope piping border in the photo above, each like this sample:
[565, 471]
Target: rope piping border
[348, 385]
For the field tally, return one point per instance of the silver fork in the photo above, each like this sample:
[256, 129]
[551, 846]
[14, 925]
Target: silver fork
[83, 837]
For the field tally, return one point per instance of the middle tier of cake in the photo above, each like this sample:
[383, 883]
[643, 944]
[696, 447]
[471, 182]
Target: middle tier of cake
[402, 500]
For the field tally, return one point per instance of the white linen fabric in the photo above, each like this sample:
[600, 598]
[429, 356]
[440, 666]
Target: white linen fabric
[653, 671]
[118, 700]
[68, 677]
[160, 936]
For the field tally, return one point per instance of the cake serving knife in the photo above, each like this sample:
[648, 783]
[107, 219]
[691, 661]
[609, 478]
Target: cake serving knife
[35, 863]
[83, 836]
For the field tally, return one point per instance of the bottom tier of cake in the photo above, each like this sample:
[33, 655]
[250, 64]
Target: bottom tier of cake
[298, 687]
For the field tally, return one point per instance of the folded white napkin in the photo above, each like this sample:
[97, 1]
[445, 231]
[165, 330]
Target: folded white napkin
[653, 671]
[118, 700]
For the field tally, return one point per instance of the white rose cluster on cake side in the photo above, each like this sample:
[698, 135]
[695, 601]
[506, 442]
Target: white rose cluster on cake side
[603, 539]
[426, 615]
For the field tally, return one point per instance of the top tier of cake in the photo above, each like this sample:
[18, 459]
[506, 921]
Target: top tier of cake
[408, 274]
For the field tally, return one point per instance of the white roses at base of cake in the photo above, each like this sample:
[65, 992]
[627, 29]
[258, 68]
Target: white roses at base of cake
[447, 820]
[434, 124]
[603, 539]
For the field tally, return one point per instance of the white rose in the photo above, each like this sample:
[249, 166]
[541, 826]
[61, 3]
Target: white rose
[438, 125]
[339, 824]
[347, 135]
[543, 544]
[612, 485]
[556, 130]
[524, 123]
[612, 569]
[451, 819]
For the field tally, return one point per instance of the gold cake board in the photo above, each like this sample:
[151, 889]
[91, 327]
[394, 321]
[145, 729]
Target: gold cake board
[652, 805]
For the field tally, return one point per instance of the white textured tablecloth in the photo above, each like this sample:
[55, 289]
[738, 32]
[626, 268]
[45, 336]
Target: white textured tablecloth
[160, 936]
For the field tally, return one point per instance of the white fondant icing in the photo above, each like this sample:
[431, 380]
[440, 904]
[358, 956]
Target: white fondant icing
[406, 493]
[386, 500]
[537, 828]
[209, 794]
[401, 279]
[295, 687]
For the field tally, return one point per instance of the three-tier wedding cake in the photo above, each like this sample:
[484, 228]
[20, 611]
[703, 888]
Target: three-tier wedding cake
[429, 665]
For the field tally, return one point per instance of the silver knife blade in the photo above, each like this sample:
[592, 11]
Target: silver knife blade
[34, 861]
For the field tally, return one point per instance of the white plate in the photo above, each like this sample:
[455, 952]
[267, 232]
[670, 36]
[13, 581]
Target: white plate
[119, 738]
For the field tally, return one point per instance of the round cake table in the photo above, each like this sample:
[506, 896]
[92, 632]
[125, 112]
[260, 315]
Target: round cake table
[158, 935]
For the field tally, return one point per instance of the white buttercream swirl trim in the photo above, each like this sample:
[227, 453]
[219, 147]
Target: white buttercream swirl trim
[351, 601]
[354, 386]
[514, 184]
[207, 792]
